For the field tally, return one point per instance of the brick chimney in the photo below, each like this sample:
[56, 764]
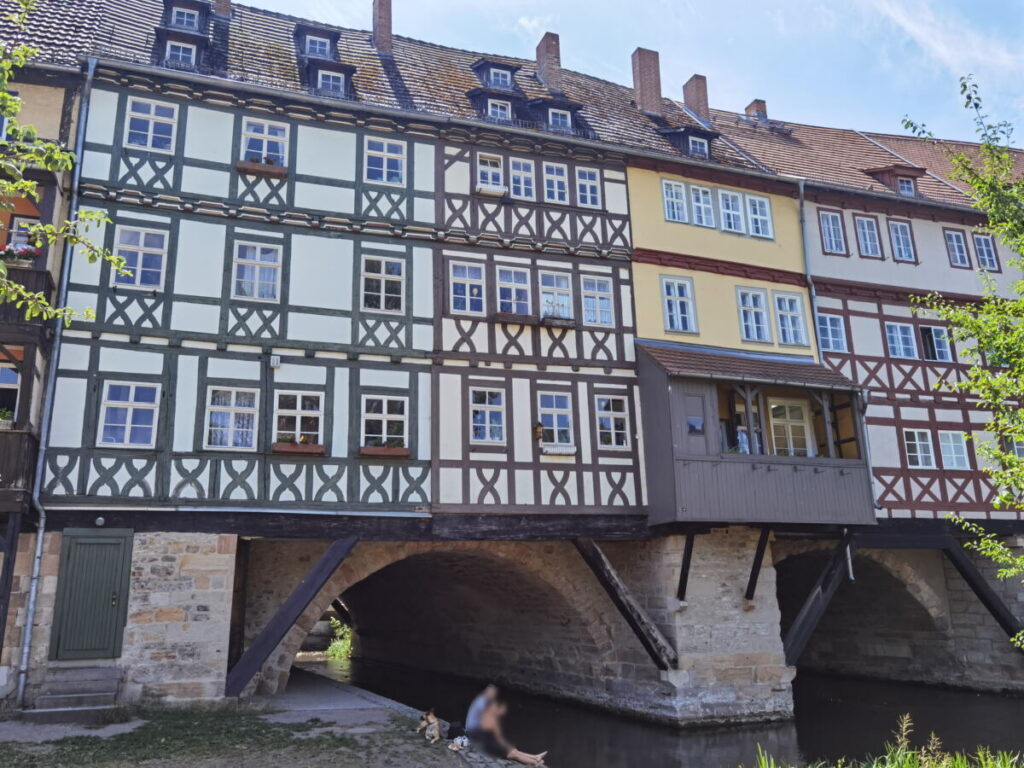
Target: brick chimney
[695, 97]
[222, 7]
[757, 109]
[382, 25]
[549, 61]
[647, 81]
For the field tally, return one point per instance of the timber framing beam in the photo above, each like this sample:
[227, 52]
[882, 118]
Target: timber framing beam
[684, 571]
[755, 569]
[982, 589]
[257, 654]
[654, 642]
[9, 550]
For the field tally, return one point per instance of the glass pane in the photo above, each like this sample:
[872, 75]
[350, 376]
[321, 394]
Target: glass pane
[287, 402]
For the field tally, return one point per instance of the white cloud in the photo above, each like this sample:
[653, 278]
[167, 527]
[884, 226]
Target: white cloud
[530, 28]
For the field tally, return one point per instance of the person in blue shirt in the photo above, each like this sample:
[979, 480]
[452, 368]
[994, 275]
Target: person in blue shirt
[478, 707]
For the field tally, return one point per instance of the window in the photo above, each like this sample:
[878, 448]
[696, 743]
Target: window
[488, 171]
[383, 284]
[521, 172]
[900, 338]
[331, 81]
[703, 211]
[385, 161]
[10, 385]
[180, 54]
[556, 419]
[612, 421]
[556, 188]
[19, 237]
[486, 416]
[902, 241]
[185, 18]
[919, 448]
[831, 333]
[467, 293]
[560, 119]
[596, 295]
[128, 415]
[257, 272]
[789, 314]
[144, 252]
[935, 344]
[698, 147]
[231, 418]
[677, 297]
[674, 194]
[1017, 448]
[986, 249]
[499, 110]
[956, 247]
[385, 422]
[731, 204]
[953, 449]
[588, 187]
[151, 125]
[759, 215]
[906, 186]
[264, 142]
[500, 78]
[555, 295]
[753, 314]
[833, 239]
[318, 47]
[513, 291]
[299, 418]
[868, 242]
[791, 432]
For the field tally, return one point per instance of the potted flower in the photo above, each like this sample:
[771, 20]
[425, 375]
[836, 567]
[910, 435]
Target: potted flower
[19, 252]
[269, 166]
[287, 443]
[6, 418]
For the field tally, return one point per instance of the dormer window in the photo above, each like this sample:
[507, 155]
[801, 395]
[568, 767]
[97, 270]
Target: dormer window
[181, 54]
[500, 78]
[185, 18]
[560, 119]
[906, 186]
[499, 110]
[331, 82]
[318, 47]
[698, 147]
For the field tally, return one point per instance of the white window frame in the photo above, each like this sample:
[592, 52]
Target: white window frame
[16, 387]
[326, 54]
[809, 437]
[673, 195]
[953, 445]
[383, 277]
[234, 409]
[956, 248]
[386, 418]
[555, 411]
[499, 106]
[151, 118]
[863, 237]
[613, 415]
[902, 332]
[679, 306]
[588, 187]
[561, 113]
[906, 186]
[238, 260]
[800, 322]
[488, 409]
[698, 147]
[764, 311]
[495, 174]
[918, 442]
[759, 223]
[130, 406]
[834, 329]
[523, 177]
[513, 286]
[897, 241]
[499, 77]
[298, 413]
[555, 291]
[595, 296]
[833, 234]
[980, 237]
[329, 76]
[391, 149]
[558, 176]
[702, 206]
[733, 219]
[943, 349]
[182, 48]
[18, 234]
[265, 139]
[187, 13]
[470, 282]
[122, 281]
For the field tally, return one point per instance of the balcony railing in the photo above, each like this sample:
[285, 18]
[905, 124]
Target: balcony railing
[34, 281]
[536, 125]
[17, 458]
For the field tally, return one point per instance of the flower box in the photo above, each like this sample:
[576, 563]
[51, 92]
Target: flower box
[384, 452]
[309, 449]
[513, 318]
[252, 168]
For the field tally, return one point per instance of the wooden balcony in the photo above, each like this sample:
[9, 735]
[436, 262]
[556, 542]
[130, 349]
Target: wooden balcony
[35, 281]
[18, 451]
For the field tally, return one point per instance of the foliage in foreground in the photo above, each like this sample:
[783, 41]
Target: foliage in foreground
[340, 648]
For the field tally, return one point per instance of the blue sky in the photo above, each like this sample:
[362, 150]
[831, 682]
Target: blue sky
[846, 63]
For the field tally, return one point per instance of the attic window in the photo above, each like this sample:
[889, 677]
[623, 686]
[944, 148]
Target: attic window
[906, 186]
[560, 119]
[181, 55]
[331, 82]
[499, 110]
[499, 78]
[185, 18]
[698, 147]
[318, 47]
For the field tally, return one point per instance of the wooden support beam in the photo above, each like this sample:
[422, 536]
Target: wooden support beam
[684, 573]
[289, 612]
[342, 611]
[9, 548]
[755, 569]
[982, 589]
[817, 602]
[654, 642]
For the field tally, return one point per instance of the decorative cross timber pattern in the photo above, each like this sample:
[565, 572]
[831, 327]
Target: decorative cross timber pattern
[557, 482]
[597, 344]
[488, 479]
[924, 489]
[513, 338]
[285, 480]
[489, 217]
[383, 204]
[457, 213]
[391, 484]
[236, 479]
[961, 490]
[382, 332]
[190, 478]
[306, 482]
[556, 225]
[871, 373]
[61, 474]
[122, 476]
[618, 231]
[328, 483]
[556, 342]
[134, 309]
[263, 191]
[254, 322]
[414, 485]
[588, 228]
[909, 377]
[893, 488]
[466, 330]
[145, 170]
[523, 222]
[613, 488]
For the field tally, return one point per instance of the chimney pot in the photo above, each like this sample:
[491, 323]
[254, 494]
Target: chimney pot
[549, 61]
[757, 109]
[222, 7]
[695, 97]
[382, 25]
[647, 80]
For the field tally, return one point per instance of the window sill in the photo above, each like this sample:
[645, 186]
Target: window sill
[555, 450]
[384, 452]
[513, 318]
[558, 322]
[309, 449]
[251, 168]
[485, 448]
[491, 191]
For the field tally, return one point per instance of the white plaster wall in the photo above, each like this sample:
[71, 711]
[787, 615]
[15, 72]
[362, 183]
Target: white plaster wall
[68, 413]
[185, 396]
[339, 440]
[208, 135]
[423, 159]
[229, 368]
[199, 261]
[128, 361]
[321, 272]
[102, 117]
[205, 182]
[300, 374]
[327, 153]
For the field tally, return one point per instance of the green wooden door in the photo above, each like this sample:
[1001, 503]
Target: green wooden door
[92, 594]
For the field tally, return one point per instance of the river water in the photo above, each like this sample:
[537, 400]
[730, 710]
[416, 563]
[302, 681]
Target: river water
[835, 717]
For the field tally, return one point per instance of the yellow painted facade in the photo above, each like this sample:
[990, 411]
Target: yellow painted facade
[715, 295]
[41, 107]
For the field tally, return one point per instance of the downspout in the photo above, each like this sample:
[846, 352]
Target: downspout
[51, 383]
[807, 269]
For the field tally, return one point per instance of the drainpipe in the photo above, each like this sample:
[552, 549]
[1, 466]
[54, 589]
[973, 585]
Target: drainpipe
[807, 269]
[51, 383]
